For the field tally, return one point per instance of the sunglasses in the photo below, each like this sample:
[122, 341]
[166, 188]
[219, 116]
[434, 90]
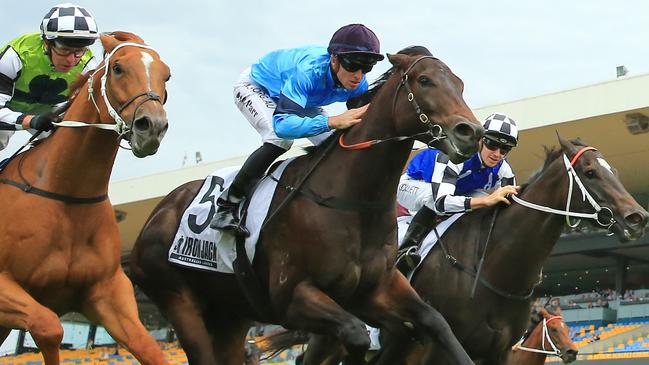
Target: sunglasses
[65, 52]
[493, 145]
[352, 64]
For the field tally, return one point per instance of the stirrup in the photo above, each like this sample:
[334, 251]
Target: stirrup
[227, 219]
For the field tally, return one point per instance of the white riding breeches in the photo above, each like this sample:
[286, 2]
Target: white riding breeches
[258, 108]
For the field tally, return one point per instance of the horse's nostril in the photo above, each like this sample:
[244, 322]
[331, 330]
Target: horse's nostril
[467, 130]
[636, 219]
[142, 124]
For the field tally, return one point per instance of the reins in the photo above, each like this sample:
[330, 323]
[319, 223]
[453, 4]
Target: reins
[572, 176]
[476, 274]
[120, 127]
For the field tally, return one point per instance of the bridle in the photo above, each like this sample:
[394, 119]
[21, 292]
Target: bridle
[435, 130]
[586, 196]
[120, 127]
[545, 337]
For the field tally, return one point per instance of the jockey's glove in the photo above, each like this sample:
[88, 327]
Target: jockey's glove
[44, 122]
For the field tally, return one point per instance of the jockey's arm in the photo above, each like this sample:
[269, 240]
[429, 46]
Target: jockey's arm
[10, 67]
[291, 120]
[443, 186]
[505, 186]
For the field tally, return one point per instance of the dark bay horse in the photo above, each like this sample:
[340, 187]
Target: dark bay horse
[521, 240]
[322, 267]
[59, 243]
[547, 335]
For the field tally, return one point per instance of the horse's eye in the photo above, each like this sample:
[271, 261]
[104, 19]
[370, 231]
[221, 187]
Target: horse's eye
[590, 174]
[168, 77]
[424, 81]
[117, 69]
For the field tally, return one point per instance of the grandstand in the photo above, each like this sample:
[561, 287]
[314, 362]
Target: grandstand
[588, 272]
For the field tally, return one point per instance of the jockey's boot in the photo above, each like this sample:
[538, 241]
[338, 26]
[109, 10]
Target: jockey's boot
[419, 227]
[227, 212]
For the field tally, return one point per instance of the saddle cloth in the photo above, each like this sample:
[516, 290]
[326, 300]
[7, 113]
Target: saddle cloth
[200, 247]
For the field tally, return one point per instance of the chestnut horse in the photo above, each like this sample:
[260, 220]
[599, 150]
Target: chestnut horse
[547, 335]
[574, 178]
[59, 242]
[322, 267]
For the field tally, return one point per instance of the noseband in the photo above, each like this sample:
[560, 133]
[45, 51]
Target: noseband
[435, 131]
[545, 337]
[572, 176]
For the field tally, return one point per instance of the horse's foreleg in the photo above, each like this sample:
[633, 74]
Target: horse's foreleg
[314, 311]
[112, 304]
[180, 308]
[19, 310]
[396, 306]
[324, 350]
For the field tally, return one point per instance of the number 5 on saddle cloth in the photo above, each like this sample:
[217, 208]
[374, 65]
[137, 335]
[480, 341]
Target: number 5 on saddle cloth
[200, 247]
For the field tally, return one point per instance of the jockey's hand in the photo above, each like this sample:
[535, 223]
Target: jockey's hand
[498, 196]
[348, 118]
[43, 122]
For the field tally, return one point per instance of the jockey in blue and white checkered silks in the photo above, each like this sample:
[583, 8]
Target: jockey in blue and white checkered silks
[434, 186]
[36, 69]
[282, 96]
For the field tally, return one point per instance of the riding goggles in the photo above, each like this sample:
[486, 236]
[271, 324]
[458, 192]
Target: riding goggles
[66, 51]
[493, 145]
[354, 63]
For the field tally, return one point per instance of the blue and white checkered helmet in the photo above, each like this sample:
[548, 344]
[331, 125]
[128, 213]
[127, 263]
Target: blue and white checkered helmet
[501, 128]
[69, 24]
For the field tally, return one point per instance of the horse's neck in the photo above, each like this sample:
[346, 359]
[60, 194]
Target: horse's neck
[523, 246]
[78, 160]
[371, 173]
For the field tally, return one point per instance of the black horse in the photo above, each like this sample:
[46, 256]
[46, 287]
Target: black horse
[325, 262]
[515, 241]
[521, 239]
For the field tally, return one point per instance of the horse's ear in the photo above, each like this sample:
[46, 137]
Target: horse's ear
[108, 41]
[568, 148]
[544, 312]
[557, 311]
[399, 60]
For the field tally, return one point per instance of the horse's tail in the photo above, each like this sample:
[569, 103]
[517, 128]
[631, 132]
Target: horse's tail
[281, 340]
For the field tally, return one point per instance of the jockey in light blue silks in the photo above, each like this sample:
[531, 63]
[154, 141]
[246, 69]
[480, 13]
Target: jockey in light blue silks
[281, 96]
[433, 185]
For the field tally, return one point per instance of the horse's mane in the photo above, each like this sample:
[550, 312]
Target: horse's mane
[551, 154]
[126, 37]
[366, 97]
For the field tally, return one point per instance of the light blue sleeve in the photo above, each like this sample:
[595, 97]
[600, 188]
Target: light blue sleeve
[290, 120]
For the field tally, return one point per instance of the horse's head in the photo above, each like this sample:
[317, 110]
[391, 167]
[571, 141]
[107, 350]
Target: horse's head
[135, 90]
[557, 335]
[429, 98]
[628, 218]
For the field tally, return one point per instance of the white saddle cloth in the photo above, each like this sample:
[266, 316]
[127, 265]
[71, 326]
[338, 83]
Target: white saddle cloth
[198, 246]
